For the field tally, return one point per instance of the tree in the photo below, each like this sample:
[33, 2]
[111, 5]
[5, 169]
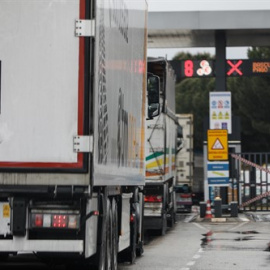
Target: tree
[250, 101]
[192, 96]
[251, 97]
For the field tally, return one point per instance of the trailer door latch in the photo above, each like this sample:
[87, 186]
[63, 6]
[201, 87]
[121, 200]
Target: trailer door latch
[85, 28]
[83, 144]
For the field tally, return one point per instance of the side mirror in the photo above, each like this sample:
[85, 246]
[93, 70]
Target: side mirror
[179, 139]
[179, 145]
[153, 93]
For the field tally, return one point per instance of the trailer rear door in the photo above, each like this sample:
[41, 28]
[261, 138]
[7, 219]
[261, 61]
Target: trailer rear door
[42, 88]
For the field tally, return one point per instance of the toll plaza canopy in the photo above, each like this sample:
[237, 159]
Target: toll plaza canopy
[195, 23]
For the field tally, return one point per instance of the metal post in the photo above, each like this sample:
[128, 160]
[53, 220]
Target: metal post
[234, 209]
[220, 40]
[202, 209]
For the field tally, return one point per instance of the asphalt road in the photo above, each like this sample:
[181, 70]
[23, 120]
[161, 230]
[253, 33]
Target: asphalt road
[240, 244]
[194, 244]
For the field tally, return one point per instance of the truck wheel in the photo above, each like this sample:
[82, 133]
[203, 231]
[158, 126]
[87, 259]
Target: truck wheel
[133, 241]
[104, 250]
[171, 221]
[139, 250]
[100, 263]
[114, 235]
[109, 237]
[164, 225]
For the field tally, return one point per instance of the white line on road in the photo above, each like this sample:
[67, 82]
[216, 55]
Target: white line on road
[200, 226]
[190, 218]
[238, 226]
[197, 256]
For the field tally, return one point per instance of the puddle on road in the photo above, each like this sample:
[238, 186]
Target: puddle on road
[259, 217]
[248, 232]
[208, 237]
[246, 238]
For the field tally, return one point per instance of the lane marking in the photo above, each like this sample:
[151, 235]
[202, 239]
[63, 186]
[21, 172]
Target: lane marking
[200, 226]
[238, 226]
[189, 218]
[197, 256]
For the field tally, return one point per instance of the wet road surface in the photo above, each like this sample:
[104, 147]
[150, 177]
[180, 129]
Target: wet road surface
[240, 244]
[194, 244]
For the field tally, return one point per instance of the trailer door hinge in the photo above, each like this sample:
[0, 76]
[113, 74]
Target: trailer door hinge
[85, 28]
[83, 144]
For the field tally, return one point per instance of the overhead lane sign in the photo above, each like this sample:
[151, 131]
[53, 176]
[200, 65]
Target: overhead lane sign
[217, 144]
[248, 67]
[234, 68]
[206, 68]
[193, 68]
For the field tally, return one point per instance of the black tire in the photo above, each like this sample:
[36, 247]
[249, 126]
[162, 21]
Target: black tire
[133, 242]
[164, 225]
[139, 249]
[171, 221]
[100, 263]
[115, 236]
[109, 237]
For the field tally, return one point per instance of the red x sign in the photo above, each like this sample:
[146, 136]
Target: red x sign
[234, 67]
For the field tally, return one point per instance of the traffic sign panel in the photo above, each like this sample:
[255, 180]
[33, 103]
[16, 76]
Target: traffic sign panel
[206, 68]
[193, 68]
[218, 173]
[217, 144]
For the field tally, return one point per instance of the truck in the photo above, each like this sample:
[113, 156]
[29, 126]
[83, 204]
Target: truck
[185, 165]
[163, 141]
[72, 129]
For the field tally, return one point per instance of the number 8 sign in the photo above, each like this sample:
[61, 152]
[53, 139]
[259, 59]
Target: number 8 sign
[189, 68]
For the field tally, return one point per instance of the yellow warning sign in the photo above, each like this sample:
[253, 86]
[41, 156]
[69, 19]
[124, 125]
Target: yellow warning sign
[217, 144]
[6, 211]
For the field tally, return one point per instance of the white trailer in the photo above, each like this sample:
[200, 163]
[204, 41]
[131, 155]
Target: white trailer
[185, 164]
[72, 128]
[161, 147]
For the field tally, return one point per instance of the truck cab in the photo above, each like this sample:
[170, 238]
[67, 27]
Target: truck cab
[162, 145]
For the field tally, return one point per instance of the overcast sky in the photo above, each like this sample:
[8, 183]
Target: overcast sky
[200, 5]
[197, 5]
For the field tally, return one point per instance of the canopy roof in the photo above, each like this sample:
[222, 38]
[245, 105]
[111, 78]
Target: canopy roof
[180, 29]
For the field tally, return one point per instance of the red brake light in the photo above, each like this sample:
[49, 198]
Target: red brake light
[153, 198]
[132, 218]
[56, 221]
[38, 220]
[185, 195]
[60, 221]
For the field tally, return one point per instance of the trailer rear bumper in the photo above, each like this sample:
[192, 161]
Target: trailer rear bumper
[23, 245]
